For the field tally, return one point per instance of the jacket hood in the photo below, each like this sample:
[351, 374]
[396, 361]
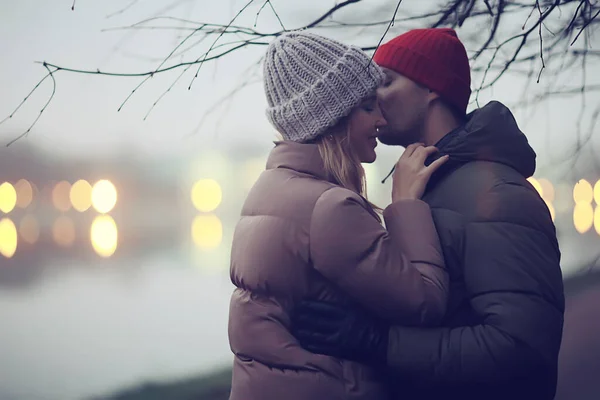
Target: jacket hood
[491, 134]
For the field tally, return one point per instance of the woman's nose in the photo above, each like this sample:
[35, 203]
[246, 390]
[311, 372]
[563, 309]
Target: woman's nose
[381, 121]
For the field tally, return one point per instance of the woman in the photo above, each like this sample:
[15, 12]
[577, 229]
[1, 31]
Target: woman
[307, 231]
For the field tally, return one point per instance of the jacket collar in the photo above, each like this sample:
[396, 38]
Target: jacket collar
[301, 157]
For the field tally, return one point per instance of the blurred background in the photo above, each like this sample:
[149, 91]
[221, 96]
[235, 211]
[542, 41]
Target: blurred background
[115, 226]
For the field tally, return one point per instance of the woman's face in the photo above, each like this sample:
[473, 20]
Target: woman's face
[363, 123]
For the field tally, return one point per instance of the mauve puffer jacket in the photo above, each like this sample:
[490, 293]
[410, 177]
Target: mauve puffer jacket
[301, 236]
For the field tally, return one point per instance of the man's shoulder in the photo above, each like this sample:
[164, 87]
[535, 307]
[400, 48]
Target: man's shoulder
[486, 191]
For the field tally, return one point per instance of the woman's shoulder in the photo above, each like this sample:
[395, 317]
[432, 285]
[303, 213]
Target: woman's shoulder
[338, 199]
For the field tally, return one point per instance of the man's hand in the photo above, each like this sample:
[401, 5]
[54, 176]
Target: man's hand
[329, 329]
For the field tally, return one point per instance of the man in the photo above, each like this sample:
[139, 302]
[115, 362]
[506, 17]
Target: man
[502, 331]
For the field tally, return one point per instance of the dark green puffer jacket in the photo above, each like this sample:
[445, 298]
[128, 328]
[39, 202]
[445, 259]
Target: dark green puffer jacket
[503, 328]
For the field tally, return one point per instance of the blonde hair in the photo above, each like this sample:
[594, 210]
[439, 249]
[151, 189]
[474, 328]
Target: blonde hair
[341, 162]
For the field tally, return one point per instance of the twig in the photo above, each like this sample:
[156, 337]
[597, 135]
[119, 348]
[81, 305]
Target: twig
[259, 11]
[489, 7]
[26, 98]
[493, 31]
[507, 65]
[73, 6]
[215, 42]
[387, 29]
[276, 15]
[268, 2]
[227, 97]
[51, 74]
[529, 16]
[121, 11]
[140, 24]
[181, 43]
[581, 3]
[330, 12]
[585, 26]
[449, 11]
[541, 43]
[183, 73]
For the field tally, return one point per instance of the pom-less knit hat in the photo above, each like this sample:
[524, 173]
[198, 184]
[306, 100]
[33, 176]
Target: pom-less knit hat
[311, 82]
[433, 57]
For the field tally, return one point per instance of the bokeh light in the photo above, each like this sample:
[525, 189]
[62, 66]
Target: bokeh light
[536, 184]
[597, 220]
[60, 196]
[104, 235]
[8, 238]
[63, 231]
[207, 231]
[29, 229]
[104, 196]
[206, 195]
[583, 192]
[551, 209]
[547, 189]
[597, 193]
[583, 217]
[24, 193]
[81, 195]
[8, 197]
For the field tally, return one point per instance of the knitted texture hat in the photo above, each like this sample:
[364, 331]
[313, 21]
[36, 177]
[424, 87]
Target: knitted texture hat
[311, 82]
[433, 57]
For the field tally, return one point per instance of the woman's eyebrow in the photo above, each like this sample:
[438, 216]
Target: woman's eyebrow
[370, 99]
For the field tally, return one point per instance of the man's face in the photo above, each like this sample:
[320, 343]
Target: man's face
[404, 105]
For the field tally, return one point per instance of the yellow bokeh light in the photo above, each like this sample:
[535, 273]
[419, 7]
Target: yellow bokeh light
[8, 238]
[104, 196]
[583, 217]
[81, 195]
[536, 184]
[547, 189]
[551, 209]
[60, 196]
[597, 193]
[24, 193]
[104, 235]
[29, 229]
[207, 231]
[583, 192]
[8, 197]
[206, 195]
[63, 231]
[597, 220]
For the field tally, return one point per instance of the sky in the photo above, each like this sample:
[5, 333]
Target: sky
[83, 119]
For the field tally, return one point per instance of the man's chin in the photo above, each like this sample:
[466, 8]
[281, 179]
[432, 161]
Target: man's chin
[391, 139]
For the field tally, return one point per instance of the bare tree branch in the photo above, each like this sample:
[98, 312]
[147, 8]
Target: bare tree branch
[585, 26]
[268, 2]
[121, 11]
[51, 75]
[502, 48]
[330, 12]
[388, 27]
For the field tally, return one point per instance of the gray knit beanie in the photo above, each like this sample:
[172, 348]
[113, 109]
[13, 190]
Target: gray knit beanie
[311, 82]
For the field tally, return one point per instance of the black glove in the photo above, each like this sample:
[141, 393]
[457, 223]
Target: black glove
[341, 332]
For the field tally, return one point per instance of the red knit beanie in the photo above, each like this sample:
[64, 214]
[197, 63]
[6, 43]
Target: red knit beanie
[435, 58]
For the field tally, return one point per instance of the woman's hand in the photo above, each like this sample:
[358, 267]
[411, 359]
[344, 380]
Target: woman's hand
[411, 175]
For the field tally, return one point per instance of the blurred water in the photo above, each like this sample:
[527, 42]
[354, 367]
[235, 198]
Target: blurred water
[82, 330]
[76, 325]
